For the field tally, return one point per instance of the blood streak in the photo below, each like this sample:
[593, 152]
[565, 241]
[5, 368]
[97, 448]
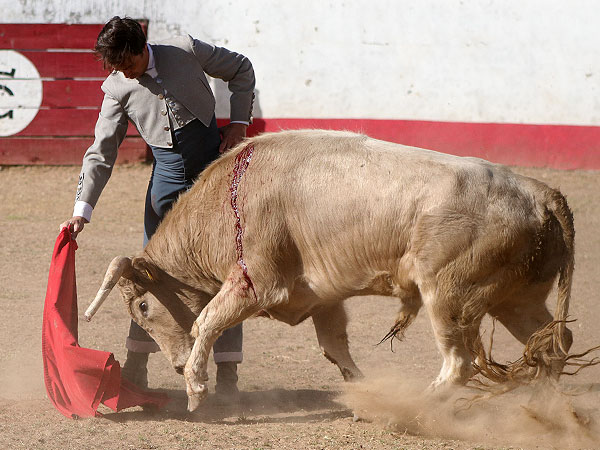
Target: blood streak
[242, 160]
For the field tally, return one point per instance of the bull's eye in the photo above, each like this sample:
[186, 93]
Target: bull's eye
[144, 307]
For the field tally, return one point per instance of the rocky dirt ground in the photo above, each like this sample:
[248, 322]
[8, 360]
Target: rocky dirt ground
[293, 398]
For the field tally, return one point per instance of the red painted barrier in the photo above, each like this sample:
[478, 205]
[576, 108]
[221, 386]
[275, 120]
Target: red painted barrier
[64, 125]
[28, 36]
[66, 151]
[69, 78]
[65, 122]
[72, 94]
[555, 146]
[67, 64]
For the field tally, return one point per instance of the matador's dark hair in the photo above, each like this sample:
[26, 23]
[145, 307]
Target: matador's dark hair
[118, 39]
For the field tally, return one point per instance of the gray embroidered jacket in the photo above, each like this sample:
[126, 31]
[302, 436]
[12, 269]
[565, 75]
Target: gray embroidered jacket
[181, 64]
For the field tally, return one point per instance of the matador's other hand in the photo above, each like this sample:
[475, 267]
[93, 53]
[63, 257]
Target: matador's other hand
[231, 135]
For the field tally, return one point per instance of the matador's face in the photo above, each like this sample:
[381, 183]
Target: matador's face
[134, 66]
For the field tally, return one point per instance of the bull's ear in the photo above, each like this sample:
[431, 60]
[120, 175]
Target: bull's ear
[144, 269]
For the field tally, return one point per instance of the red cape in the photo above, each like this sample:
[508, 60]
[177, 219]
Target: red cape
[79, 379]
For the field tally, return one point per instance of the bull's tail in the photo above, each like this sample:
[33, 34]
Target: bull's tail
[561, 340]
[547, 351]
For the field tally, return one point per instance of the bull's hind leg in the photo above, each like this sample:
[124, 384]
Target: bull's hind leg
[524, 315]
[455, 342]
[330, 325]
[525, 312]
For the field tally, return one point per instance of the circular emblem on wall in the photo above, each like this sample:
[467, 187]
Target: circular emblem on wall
[20, 92]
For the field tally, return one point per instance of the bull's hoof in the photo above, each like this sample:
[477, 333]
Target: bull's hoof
[194, 401]
[196, 392]
[196, 388]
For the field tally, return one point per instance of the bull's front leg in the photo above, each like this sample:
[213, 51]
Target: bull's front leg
[330, 325]
[235, 302]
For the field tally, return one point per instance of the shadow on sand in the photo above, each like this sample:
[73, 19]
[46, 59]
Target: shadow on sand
[270, 406]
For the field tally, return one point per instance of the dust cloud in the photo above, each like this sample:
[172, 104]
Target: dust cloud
[536, 416]
[22, 377]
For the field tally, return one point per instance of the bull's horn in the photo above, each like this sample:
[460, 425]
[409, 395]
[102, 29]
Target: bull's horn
[116, 268]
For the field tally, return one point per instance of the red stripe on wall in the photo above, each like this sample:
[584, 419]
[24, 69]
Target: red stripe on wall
[64, 126]
[66, 64]
[72, 93]
[53, 151]
[555, 146]
[65, 122]
[52, 35]
[37, 36]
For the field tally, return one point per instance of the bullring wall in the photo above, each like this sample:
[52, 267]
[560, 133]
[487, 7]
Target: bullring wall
[511, 81]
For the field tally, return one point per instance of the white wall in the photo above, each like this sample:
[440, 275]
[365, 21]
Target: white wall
[510, 61]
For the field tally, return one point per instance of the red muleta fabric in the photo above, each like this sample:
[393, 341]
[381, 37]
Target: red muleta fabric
[79, 379]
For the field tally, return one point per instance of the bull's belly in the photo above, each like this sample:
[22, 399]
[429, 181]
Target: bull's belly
[291, 317]
[302, 302]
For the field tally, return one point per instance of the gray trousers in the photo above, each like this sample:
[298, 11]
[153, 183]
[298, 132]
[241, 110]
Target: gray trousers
[173, 172]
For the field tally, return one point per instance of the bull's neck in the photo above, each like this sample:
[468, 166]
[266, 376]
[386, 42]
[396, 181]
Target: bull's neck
[189, 249]
[196, 241]
[191, 274]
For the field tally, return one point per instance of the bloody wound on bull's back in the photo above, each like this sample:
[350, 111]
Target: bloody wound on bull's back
[242, 160]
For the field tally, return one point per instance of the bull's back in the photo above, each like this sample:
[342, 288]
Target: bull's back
[352, 207]
[342, 209]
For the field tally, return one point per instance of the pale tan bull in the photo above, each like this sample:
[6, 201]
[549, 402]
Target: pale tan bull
[293, 223]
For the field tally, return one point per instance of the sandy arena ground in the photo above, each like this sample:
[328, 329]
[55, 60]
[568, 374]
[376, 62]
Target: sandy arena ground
[292, 395]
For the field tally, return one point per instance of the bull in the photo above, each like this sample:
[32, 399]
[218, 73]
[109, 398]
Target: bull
[290, 224]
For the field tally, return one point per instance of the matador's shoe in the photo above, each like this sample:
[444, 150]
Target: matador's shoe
[135, 369]
[226, 387]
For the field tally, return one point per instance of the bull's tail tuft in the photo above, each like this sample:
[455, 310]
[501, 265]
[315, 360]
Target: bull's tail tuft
[404, 319]
[541, 360]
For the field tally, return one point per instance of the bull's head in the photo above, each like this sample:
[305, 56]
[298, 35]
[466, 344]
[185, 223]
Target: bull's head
[155, 301]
